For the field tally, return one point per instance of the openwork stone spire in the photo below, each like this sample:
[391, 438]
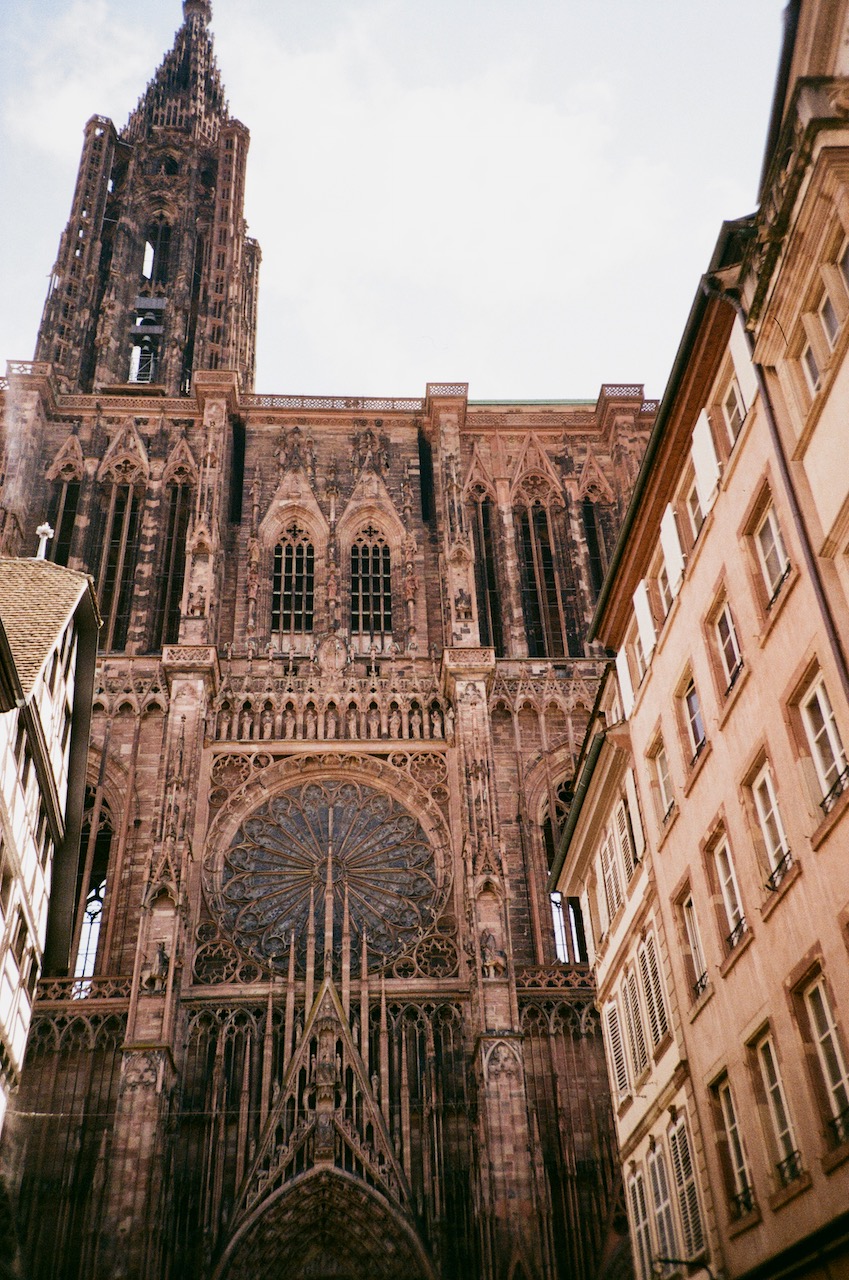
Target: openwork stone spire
[186, 92]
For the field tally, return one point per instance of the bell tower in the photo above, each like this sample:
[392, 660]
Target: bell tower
[155, 276]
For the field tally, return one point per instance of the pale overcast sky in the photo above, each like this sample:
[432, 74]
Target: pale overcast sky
[521, 194]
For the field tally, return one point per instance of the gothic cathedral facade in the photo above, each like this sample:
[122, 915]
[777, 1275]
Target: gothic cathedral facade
[318, 1019]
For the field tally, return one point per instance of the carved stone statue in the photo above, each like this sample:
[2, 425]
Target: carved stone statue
[493, 959]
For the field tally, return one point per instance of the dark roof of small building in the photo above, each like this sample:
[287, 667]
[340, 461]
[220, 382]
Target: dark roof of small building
[36, 600]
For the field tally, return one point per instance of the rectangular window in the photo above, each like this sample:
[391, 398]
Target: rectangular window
[811, 368]
[698, 974]
[653, 990]
[694, 721]
[772, 831]
[832, 1062]
[664, 590]
[727, 879]
[825, 743]
[616, 1047]
[665, 794]
[625, 839]
[694, 511]
[788, 1165]
[640, 1234]
[610, 872]
[664, 1222]
[733, 411]
[685, 1186]
[843, 264]
[772, 557]
[729, 646]
[742, 1199]
[634, 1023]
[829, 320]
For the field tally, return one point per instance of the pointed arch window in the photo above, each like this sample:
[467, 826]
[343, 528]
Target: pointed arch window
[293, 584]
[541, 602]
[166, 627]
[96, 845]
[486, 573]
[121, 522]
[593, 535]
[157, 251]
[371, 585]
[62, 516]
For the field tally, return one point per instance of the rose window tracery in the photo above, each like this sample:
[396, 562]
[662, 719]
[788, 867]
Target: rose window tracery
[375, 850]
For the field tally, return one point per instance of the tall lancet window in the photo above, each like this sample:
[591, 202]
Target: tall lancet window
[543, 609]
[293, 584]
[486, 573]
[157, 252]
[166, 625]
[121, 521]
[95, 845]
[62, 516]
[371, 586]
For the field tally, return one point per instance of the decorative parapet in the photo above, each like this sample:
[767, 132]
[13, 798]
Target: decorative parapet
[540, 977]
[339, 404]
[466, 664]
[192, 659]
[72, 990]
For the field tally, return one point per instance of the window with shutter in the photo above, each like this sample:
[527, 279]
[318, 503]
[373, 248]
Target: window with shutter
[634, 1023]
[664, 1221]
[618, 1064]
[653, 990]
[626, 840]
[610, 868]
[685, 1186]
[640, 1225]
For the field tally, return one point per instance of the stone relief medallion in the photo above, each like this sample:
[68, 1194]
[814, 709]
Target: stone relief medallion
[288, 847]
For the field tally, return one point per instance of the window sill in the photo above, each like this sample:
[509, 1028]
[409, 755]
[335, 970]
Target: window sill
[791, 876]
[730, 700]
[780, 1198]
[733, 956]
[698, 1005]
[830, 820]
[834, 1159]
[739, 1226]
[771, 617]
[696, 768]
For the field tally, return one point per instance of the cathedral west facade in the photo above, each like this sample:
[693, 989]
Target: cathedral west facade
[317, 1017]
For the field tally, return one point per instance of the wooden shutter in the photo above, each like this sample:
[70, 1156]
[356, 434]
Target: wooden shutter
[685, 1185]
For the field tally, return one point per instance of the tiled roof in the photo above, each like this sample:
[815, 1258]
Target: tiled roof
[36, 600]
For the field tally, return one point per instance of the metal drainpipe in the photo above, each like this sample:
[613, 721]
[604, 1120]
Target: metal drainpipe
[810, 558]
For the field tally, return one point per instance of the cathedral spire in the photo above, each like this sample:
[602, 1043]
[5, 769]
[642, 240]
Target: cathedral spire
[200, 8]
[186, 93]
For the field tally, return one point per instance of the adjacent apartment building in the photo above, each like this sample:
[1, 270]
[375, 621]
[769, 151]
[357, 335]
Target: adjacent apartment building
[708, 837]
[48, 645]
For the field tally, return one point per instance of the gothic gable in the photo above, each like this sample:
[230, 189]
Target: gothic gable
[126, 460]
[68, 463]
[592, 482]
[534, 476]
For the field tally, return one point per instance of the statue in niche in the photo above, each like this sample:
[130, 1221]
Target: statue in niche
[154, 974]
[411, 587]
[330, 724]
[289, 723]
[463, 605]
[373, 723]
[395, 723]
[252, 582]
[311, 723]
[435, 723]
[493, 959]
[449, 723]
[353, 731]
[197, 602]
[416, 723]
[267, 723]
[246, 731]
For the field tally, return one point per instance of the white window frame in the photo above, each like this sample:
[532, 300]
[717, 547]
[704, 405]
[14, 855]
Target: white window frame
[843, 264]
[829, 320]
[610, 874]
[789, 1163]
[694, 719]
[811, 369]
[825, 743]
[832, 1061]
[772, 554]
[664, 588]
[660, 762]
[729, 646]
[691, 929]
[733, 410]
[695, 514]
[730, 891]
[772, 828]
[742, 1196]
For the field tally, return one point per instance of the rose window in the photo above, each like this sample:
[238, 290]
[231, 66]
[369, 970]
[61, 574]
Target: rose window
[285, 852]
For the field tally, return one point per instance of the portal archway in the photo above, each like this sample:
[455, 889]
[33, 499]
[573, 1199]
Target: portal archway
[326, 1225]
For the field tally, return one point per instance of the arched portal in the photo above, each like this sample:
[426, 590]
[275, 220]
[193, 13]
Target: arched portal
[326, 1225]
